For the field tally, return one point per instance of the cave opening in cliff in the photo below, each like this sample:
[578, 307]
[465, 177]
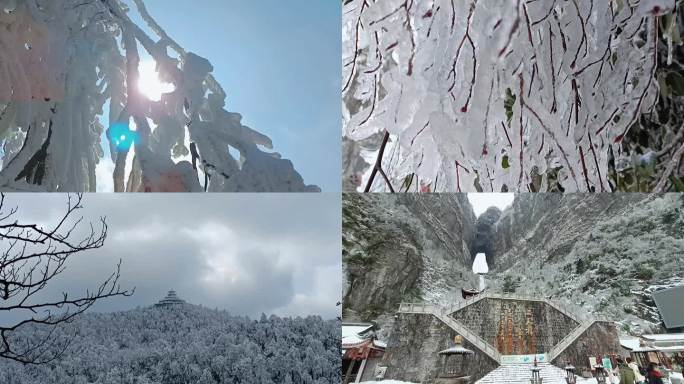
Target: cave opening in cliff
[480, 268]
[488, 208]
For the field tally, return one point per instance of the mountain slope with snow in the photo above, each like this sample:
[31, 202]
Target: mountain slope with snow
[605, 253]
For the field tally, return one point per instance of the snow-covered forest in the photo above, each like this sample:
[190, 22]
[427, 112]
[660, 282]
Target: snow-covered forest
[65, 65]
[187, 345]
[467, 95]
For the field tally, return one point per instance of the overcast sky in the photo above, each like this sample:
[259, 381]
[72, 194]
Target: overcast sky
[270, 253]
[482, 201]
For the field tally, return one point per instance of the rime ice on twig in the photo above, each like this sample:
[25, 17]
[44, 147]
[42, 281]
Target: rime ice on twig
[488, 97]
[62, 60]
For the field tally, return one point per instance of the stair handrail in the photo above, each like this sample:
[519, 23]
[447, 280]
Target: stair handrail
[570, 338]
[467, 302]
[445, 316]
[572, 312]
[441, 314]
[469, 335]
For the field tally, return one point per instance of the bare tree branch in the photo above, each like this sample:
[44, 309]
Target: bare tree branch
[33, 255]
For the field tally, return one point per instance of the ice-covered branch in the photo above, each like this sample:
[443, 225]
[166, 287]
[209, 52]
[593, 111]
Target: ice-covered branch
[518, 95]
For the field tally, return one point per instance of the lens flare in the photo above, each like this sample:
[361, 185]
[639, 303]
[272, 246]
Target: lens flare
[121, 135]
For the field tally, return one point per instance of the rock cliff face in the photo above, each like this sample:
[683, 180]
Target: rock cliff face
[485, 234]
[548, 224]
[605, 253]
[403, 247]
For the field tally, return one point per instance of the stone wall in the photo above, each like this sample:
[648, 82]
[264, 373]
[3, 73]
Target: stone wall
[412, 350]
[369, 370]
[516, 327]
[600, 339]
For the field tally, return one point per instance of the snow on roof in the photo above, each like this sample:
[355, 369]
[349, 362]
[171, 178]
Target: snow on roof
[665, 337]
[170, 299]
[351, 334]
[355, 329]
[351, 341]
[630, 343]
[673, 348]
[669, 349]
[456, 350]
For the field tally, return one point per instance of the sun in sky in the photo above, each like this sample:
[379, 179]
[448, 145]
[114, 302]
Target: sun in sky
[149, 83]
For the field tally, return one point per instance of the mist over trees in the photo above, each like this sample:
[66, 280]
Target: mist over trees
[189, 344]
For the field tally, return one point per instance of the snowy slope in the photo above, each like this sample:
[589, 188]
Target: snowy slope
[605, 253]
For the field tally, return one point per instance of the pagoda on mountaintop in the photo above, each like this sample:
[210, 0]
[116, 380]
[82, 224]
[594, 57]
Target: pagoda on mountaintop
[171, 299]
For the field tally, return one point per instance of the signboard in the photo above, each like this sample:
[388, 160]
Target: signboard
[523, 359]
[592, 362]
[380, 372]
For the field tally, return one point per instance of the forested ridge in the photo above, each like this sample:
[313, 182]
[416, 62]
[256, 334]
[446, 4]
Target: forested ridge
[187, 344]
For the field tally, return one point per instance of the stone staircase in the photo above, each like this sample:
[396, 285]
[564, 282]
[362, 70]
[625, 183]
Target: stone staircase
[521, 374]
[569, 339]
[442, 315]
[445, 315]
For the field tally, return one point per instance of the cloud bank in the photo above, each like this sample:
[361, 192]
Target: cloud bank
[247, 253]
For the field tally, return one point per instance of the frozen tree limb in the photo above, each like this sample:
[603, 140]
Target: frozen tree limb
[491, 97]
[61, 61]
[671, 166]
[378, 166]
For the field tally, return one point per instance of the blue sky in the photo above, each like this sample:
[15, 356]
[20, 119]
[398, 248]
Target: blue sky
[279, 62]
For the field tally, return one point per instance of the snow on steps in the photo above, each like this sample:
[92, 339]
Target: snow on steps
[520, 373]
